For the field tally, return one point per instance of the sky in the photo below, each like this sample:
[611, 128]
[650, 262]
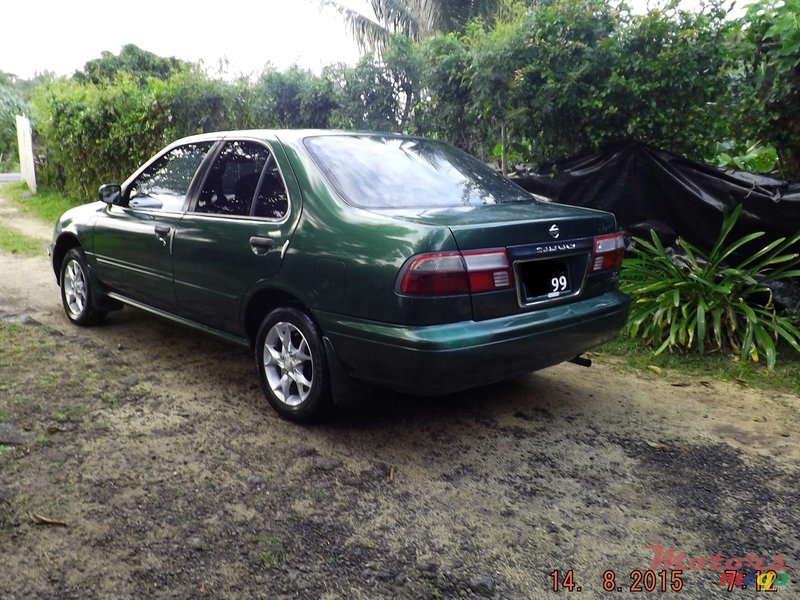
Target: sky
[62, 35]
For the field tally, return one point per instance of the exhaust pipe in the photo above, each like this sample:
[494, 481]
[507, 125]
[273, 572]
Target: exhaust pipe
[581, 361]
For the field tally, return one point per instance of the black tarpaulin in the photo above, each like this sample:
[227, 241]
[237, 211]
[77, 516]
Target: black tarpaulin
[650, 189]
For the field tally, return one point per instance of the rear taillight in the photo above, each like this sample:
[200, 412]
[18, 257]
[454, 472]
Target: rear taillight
[608, 252]
[436, 274]
[447, 273]
[488, 270]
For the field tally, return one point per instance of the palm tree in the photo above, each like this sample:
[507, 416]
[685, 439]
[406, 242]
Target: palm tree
[416, 19]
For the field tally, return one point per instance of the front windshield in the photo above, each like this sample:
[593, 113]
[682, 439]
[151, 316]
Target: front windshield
[374, 171]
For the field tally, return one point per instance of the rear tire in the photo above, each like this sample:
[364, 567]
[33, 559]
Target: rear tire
[77, 290]
[292, 366]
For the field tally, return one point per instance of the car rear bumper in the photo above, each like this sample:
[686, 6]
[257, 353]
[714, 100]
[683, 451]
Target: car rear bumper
[441, 359]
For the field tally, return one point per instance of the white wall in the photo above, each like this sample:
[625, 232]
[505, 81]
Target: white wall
[25, 141]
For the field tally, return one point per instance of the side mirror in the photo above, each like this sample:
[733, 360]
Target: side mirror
[110, 193]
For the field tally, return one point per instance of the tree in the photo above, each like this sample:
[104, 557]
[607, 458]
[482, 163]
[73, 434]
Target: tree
[499, 60]
[132, 60]
[766, 70]
[295, 98]
[365, 98]
[415, 19]
[378, 94]
[444, 96]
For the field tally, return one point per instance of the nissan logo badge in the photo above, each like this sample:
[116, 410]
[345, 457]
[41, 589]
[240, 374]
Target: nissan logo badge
[554, 231]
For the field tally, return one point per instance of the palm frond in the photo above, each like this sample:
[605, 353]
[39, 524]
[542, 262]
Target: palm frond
[415, 19]
[399, 17]
[368, 33]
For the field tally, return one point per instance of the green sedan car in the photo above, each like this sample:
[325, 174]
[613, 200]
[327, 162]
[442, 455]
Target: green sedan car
[347, 258]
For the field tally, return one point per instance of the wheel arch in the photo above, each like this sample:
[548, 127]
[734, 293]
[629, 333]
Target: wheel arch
[263, 302]
[64, 243]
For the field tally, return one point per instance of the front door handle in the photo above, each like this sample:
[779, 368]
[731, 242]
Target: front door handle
[162, 233]
[260, 245]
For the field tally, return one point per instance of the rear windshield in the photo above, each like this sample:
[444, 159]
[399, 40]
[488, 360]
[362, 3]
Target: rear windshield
[397, 172]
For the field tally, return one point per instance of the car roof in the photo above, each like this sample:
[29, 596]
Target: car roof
[284, 135]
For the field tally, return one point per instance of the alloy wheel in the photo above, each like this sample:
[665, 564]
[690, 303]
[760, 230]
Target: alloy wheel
[76, 292]
[288, 365]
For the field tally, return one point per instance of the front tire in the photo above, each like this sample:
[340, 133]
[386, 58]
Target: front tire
[77, 290]
[292, 367]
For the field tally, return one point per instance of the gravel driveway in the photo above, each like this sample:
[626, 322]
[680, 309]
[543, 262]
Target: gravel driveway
[138, 459]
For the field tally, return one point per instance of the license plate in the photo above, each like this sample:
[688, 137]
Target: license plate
[544, 279]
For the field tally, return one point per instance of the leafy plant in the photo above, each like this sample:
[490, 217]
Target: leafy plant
[694, 301]
[516, 153]
[751, 156]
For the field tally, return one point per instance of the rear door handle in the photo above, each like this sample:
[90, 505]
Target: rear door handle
[260, 245]
[162, 230]
[262, 242]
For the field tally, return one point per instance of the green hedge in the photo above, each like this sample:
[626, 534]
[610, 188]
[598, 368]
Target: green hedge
[551, 80]
[10, 106]
[93, 133]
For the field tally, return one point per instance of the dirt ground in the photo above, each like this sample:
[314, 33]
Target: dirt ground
[174, 479]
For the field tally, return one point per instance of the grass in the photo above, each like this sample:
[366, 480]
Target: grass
[46, 205]
[70, 413]
[785, 377]
[272, 554]
[23, 349]
[13, 241]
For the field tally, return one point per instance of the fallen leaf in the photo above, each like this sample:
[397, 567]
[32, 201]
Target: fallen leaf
[706, 384]
[680, 384]
[654, 369]
[40, 520]
[656, 445]
[54, 429]
[741, 382]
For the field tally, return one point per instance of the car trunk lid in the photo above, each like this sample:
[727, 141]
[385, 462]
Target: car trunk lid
[549, 247]
[511, 224]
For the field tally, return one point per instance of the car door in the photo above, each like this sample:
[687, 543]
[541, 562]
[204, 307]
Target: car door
[234, 234]
[133, 241]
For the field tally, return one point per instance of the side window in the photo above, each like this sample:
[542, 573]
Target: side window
[272, 200]
[233, 179]
[163, 185]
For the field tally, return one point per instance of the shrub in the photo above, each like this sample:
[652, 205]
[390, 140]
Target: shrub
[695, 300]
[96, 133]
[10, 106]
